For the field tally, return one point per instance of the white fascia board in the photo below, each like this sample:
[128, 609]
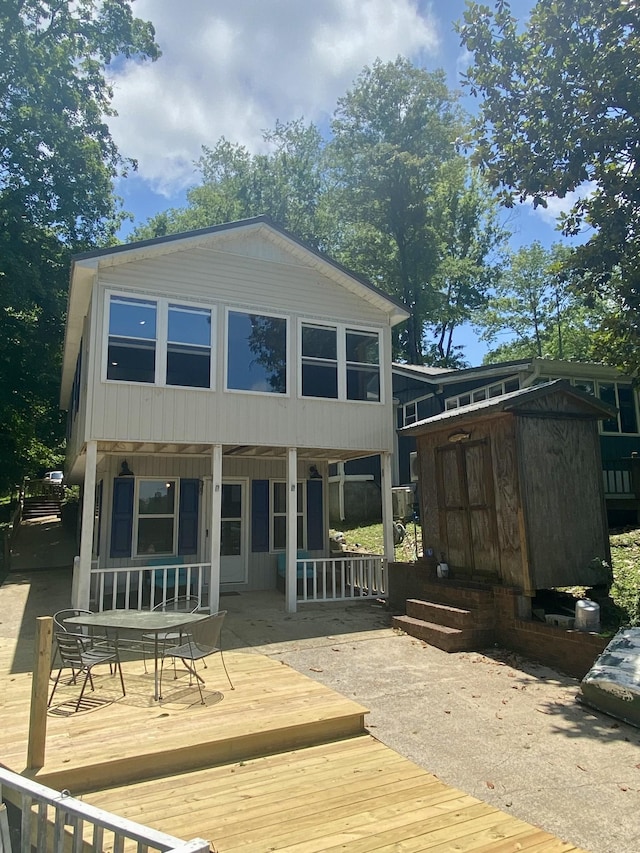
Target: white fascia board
[83, 274]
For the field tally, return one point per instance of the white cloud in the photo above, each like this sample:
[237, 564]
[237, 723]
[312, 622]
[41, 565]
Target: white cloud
[231, 68]
[558, 206]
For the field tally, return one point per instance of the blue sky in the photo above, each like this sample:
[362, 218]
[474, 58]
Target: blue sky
[233, 67]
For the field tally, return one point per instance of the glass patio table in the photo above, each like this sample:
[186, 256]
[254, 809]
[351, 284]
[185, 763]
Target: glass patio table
[154, 622]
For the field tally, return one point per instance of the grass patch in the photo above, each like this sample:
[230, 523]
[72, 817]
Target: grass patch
[623, 608]
[625, 563]
[370, 538]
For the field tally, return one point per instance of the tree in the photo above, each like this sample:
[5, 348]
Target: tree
[535, 310]
[388, 195]
[560, 113]
[57, 165]
[285, 182]
[391, 134]
[470, 253]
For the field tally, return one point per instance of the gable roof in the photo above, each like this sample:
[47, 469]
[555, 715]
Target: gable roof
[85, 266]
[514, 401]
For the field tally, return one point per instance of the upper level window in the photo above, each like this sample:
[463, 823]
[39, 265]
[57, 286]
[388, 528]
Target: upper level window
[189, 346]
[256, 353]
[131, 353]
[363, 365]
[339, 362]
[154, 340]
[319, 361]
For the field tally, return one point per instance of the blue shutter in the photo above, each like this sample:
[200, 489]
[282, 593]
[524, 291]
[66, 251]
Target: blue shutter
[122, 517]
[259, 515]
[315, 516]
[188, 518]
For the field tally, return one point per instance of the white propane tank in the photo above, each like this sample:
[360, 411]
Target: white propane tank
[587, 616]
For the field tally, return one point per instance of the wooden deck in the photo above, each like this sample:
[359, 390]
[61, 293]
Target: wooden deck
[279, 763]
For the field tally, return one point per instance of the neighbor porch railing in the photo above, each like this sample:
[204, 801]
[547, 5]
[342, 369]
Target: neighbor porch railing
[147, 586]
[618, 478]
[49, 820]
[341, 578]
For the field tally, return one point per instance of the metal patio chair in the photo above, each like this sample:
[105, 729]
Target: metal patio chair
[203, 641]
[89, 637]
[79, 658]
[181, 604]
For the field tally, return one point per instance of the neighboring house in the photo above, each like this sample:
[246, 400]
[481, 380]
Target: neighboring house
[422, 392]
[210, 378]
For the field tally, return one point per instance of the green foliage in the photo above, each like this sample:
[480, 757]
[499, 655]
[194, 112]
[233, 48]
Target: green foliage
[388, 195]
[286, 183]
[535, 307]
[57, 165]
[625, 560]
[560, 112]
[408, 214]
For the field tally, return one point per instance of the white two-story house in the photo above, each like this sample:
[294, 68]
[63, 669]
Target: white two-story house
[210, 378]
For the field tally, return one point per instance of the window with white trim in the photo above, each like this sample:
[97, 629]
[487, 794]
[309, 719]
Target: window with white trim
[620, 395]
[155, 519]
[189, 346]
[159, 341]
[484, 392]
[339, 362]
[131, 354]
[256, 352]
[279, 514]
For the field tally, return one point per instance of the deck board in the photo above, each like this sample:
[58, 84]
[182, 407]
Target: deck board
[280, 763]
[356, 796]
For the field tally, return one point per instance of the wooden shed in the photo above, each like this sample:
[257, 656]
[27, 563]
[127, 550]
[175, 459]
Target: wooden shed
[511, 488]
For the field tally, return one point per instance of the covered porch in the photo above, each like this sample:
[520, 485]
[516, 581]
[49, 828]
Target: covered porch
[161, 520]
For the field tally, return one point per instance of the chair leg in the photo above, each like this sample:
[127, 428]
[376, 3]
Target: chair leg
[55, 684]
[226, 670]
[84, 684]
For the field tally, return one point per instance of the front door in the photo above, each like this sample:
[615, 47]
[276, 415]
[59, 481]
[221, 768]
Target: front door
[233, 533]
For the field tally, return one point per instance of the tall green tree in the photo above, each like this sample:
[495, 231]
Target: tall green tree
[286, 181]
[534, 310]
[471, 243]
[57, 165]
[560, 111]
[392, 132]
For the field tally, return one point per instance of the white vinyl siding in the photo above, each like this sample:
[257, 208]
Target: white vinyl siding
[227, 281]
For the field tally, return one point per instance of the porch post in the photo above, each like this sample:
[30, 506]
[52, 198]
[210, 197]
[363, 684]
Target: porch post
[215, 526]
[81, 588]
[387, 505]
[292, 530]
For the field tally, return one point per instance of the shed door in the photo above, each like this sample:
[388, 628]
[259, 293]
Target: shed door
[466, 505]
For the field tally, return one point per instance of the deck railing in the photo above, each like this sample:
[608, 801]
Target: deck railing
[341, 578]
[147, 586]
[618, 478]
[54, 821]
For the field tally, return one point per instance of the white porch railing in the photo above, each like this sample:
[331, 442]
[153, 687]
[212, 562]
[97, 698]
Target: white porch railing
[55, 821]
[617, 483]
[341, 578]
[147, 586]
